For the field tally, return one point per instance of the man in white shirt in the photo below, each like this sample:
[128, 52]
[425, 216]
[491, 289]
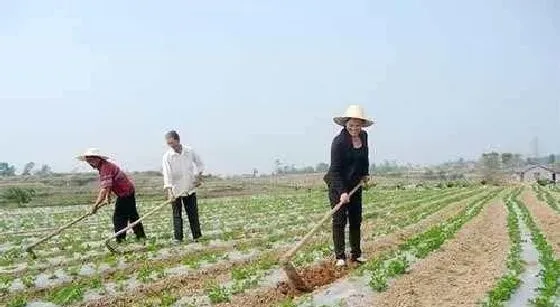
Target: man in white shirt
[180, 181]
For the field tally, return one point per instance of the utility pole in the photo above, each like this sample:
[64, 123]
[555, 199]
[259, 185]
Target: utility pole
[535, 147]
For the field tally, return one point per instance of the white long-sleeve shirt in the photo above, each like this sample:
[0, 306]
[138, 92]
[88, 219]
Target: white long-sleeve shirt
[178, 170]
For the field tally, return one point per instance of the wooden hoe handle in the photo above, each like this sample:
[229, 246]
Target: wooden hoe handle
[140, 219]
[143, 217]
[306, 238]
[59, 230]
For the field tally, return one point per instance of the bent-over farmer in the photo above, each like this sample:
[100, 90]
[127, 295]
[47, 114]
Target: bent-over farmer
[113, 179]
[349, 166]
[180, 181]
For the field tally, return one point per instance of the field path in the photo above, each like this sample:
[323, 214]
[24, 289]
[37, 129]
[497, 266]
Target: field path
[545, 217]
[324, 273]
[462, 271]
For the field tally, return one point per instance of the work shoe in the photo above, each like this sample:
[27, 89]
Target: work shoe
[176, 242]
[340, 263]
[359, 260]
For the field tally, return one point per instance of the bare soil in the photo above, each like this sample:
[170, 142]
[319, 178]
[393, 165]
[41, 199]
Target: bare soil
[462, 271]
[545, 217]
[324, 273]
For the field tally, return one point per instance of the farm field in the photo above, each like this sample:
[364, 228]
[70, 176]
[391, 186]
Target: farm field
[447, 246]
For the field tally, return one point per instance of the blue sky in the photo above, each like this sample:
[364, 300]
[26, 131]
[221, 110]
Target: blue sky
[245, 82]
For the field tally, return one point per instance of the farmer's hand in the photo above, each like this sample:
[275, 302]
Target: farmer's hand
[170, 194]
[344, 198]
[94, 208]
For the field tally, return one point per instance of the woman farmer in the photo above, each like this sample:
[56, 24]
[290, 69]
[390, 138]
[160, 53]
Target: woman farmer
[113, 179]
[349, 166]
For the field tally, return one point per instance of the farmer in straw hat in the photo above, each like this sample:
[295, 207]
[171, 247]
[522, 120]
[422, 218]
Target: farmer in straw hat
[349, 166]
[113, 179]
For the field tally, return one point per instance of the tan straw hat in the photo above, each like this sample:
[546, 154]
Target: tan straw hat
[353, 111]
[92, 152]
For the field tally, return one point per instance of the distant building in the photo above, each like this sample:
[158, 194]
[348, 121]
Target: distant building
[532, 173]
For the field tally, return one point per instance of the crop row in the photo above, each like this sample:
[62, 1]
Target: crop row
[396, 263]
[510, 282]
[193, 263]
[550, 274]
[76, 249]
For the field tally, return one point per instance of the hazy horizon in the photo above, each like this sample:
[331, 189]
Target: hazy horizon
[245, 82]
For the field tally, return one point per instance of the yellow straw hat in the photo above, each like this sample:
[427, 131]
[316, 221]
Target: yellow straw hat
[92, 152]
[353, 111]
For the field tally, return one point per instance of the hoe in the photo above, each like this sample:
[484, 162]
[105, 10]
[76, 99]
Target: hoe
[289, 268]
[113, 248]
[29, 248]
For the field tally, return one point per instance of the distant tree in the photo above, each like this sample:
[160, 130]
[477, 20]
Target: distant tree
[44, 171]
[292, 169]
[308, 170]
[6, 169]
[517, 160]
[507, 159]
[255, 172]
[27, 169]
[321, 167]
[551, 159]
[278, 166]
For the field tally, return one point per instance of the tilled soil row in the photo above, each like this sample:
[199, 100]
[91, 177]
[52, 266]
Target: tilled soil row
[325, 273]
[182, 285]
[545, 217]
[462, 271]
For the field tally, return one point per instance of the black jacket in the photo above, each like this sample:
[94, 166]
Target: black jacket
[348, 165]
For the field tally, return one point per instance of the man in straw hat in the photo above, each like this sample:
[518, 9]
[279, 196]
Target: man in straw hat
[349, 166]
[180, 181]
[113, 179]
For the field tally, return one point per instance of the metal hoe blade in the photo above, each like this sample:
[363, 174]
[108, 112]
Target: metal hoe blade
[114, 249]
[111, 248]
[30, 251]
[294, 277]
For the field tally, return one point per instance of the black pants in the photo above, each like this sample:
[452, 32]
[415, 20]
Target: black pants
[191, 207]
[125, 212]
[351, 212]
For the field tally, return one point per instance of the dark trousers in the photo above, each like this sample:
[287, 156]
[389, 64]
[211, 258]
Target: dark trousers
[351, 212]
[191, 208]
[125, 212]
